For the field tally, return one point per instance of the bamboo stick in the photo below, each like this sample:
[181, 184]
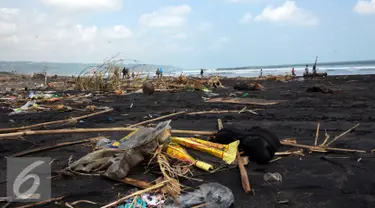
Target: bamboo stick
[74, 119]
[64, 144]
[317, 134]
[325, 140]
[337, 137]
[92, 130]
[320, 148]
[223, 111]
[42, 202]
[157, 119]
[119, 201]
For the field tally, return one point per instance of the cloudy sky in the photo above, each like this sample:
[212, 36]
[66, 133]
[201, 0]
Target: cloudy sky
[188, 33]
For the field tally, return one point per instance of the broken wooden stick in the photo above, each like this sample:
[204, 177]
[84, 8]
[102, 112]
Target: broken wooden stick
[157, 119]
[337, 137]
[320, 148]
[91, 130]
[131, 181]
[64, 144]
[317, 134]
[244, 177]
[243, 109]
[223, 111]
[219, 124]
[69, 120]
[119, 201]
[43, 202]
[326, 139]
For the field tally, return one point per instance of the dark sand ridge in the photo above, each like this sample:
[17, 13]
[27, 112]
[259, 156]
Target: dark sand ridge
[307, 182]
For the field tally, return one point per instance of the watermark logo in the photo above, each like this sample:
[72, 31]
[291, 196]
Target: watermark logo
[29, 179]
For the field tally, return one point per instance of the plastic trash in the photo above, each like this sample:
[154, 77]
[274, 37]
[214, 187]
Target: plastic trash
[214, 195]
[105, 143]
[153, 200]
[110, 119]
[273, 177]
[25, 107]
[211, 94]
[139, 203]
[31, 95]
[118, 162]
[205, 89]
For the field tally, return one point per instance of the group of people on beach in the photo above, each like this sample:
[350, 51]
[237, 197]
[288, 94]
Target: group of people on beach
[159, 72]
[314, 72]
[126, 73]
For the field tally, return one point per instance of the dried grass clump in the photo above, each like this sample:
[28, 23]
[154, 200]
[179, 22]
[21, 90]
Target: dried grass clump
[107, 77]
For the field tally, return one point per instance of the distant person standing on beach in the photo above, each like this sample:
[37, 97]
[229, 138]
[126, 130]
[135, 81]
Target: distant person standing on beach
[293, 74]
[158, 73]
[125, 72]
[161, 72]
[261, 72]
[202, 72]
[314, 67]
[307, 70]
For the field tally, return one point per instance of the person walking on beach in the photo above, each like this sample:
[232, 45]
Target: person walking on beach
[261, 72]
[307, 70]
[314, 67]
[293, 74]
[202, 72]
[125, 72]
[161, 72]
[158, 73]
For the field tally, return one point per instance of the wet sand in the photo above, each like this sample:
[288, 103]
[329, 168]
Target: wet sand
[310, 181]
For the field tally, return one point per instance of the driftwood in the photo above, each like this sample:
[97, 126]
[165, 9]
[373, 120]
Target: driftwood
[317, 134]
[337, 137]
[69, 120]
[132, 181]
[64, 144]
[320, 148]
[42, 202]
[325, 140]
[244, 177]
[219, 124]
[92, 130]
[246, 101]
[157, 119]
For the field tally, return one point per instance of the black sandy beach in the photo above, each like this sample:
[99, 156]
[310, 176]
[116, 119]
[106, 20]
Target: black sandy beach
[316, 180]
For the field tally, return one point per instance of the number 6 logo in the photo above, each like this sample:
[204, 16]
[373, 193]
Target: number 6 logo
[23, 177]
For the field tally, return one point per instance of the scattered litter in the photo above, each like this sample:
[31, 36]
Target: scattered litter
[130, 152]
[106, 143]
[153, 200]
[30, 105]
[273, 177]
[213, 195]
[133, 203]
[210, 94]
[245, 95]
